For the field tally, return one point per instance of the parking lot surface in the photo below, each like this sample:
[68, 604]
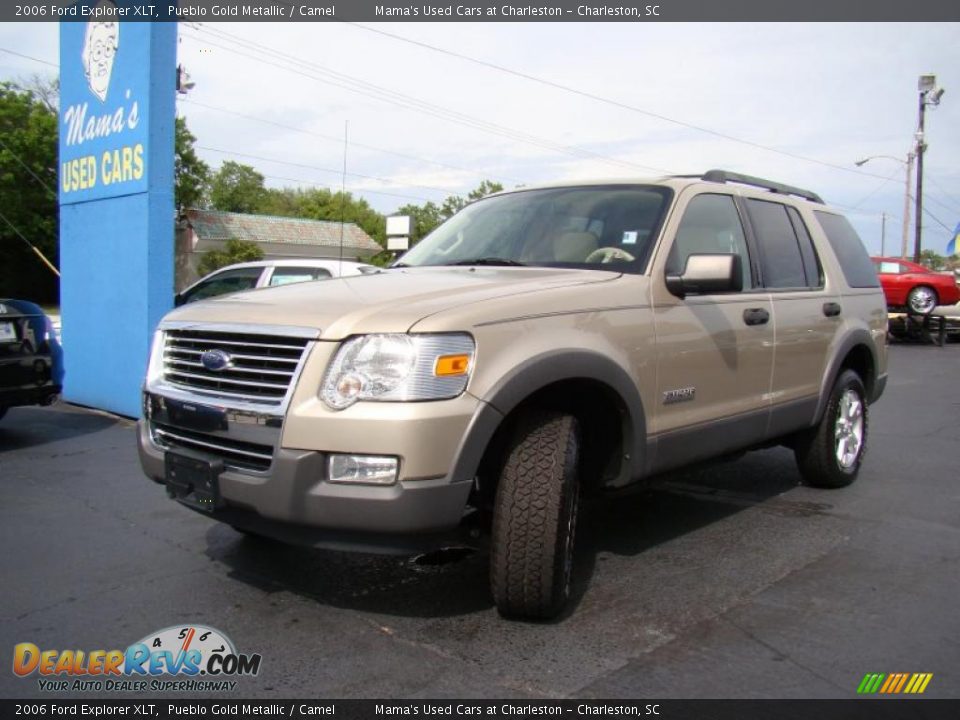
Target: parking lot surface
[730, 580]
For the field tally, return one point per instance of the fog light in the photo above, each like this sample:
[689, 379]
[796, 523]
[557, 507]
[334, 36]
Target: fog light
[363, 469]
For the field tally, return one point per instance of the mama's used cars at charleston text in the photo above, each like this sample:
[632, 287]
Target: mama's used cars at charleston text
[540, 344]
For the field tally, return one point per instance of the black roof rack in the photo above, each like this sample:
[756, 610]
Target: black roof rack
[723, 176]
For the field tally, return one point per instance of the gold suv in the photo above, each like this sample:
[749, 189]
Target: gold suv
[542, 343]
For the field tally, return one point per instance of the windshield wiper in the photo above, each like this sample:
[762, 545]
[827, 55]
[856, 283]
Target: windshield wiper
[488, 261]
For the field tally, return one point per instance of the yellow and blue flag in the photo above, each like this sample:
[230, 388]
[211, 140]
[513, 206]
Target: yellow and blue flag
[952, 245]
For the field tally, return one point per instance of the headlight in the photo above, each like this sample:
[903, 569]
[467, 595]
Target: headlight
[398, 367]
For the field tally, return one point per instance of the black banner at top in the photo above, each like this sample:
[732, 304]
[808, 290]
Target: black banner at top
[478, 10]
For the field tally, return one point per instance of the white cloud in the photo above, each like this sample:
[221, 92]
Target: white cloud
[834, 92]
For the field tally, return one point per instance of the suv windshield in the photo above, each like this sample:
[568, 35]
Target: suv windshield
[604, 227]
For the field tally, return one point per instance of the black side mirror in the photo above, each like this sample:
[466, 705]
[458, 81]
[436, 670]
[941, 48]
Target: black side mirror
[707, 273]
[178, 300]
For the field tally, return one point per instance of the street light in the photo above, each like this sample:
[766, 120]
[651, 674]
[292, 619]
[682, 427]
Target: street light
[930, 94]
[908, 163]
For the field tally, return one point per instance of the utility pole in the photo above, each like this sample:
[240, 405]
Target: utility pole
[906, 206]
[930, 94]
[918, 220]
[883, 234]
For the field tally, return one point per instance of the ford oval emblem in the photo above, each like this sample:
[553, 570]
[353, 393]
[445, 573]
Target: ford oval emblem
[216, 360]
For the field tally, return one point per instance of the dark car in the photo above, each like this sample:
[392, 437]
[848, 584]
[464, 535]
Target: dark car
[31, 359]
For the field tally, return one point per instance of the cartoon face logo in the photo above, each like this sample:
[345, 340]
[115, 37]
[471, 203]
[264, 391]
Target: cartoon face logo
[100, 45]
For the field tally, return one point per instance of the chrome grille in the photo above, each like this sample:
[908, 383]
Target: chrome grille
[261, 369]
[234, 453]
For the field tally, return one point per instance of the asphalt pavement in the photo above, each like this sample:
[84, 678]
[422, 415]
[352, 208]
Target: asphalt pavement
[730, 580]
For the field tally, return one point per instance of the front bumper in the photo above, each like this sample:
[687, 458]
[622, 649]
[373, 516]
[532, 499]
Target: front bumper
[21, 396]
[293, 501]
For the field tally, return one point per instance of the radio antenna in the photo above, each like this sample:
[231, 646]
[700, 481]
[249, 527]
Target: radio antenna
[343, 193]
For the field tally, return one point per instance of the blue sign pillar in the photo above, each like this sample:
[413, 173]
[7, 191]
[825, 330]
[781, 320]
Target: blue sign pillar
[117, 114]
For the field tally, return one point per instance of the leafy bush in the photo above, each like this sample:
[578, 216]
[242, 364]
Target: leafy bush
[236, 251]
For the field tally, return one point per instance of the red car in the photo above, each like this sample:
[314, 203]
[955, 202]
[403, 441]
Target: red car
[914, 287]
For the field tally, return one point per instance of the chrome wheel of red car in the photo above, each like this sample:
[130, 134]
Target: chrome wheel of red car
[922, 300]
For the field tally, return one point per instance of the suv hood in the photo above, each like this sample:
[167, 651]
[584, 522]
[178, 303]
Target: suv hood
[390, 301]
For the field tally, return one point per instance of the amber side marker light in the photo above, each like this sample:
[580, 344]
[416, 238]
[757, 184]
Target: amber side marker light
[451, 365]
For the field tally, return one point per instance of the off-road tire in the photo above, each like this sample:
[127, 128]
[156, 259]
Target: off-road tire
[535, 516]
[817, 451]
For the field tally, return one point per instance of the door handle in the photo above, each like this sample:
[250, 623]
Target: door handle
[756, 316]
[831, 309]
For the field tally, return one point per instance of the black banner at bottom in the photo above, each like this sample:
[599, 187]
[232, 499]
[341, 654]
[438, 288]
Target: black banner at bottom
[854, 709]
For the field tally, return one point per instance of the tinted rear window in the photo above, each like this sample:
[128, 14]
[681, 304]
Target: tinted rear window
[780, 256]
[847, 246]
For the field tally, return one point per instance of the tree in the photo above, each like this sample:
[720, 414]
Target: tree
[235, 251]
[933, 260]
[44, 89]
[192, 174]
[237, 188]
[28, 194]
[454, 203]
[324, 204]
[423, 219]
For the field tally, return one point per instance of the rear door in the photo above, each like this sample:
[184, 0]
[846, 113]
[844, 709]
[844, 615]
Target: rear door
[806, 314]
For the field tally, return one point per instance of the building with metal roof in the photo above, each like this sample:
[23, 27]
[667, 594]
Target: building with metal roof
[279, 237]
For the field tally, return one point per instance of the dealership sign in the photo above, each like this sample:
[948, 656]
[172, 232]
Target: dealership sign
[116, 189]
[103, 140]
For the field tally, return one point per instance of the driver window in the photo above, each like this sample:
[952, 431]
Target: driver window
[710, 224]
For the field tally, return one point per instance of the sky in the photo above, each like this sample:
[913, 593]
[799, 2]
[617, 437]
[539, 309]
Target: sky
[798, 103]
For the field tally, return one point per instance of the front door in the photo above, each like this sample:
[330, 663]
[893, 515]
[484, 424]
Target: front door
[714, 351]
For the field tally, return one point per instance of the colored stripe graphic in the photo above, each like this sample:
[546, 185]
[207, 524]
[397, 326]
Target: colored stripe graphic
[894, 683]
[903, 680]
[870, 683]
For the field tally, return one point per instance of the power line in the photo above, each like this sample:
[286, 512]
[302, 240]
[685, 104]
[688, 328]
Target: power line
[382, 94]
[928, 196]
[378, 93]
[876, 189]
[29, 57]
[358, 191]
[937, 220]
[941, 189]
[36, 251]
[610, 101]
[327, 170]
[339, 140]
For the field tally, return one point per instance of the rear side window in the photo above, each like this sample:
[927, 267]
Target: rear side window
[780, 257]
[811, 263]
[290, 275]
[847, 246]
[888, 268]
